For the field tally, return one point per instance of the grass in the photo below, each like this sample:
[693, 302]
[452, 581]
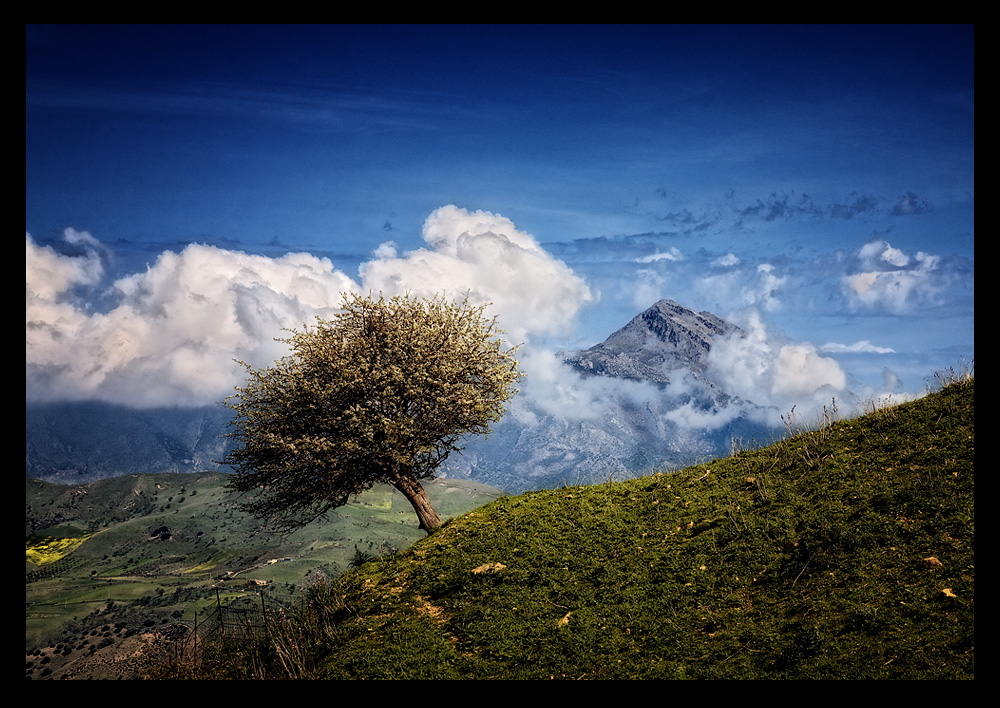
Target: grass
[92, 559]
[843, 552]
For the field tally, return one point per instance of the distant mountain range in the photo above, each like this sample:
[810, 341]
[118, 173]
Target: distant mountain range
[71, 443]
[648, 421]
[650, 385]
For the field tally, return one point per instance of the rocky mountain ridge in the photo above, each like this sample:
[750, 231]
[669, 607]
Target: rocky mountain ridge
[659, 342]
[655, 417]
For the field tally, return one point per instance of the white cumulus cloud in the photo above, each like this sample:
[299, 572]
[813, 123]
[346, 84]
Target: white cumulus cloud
[176, 328]
[766, 368]
[173, 334]
[486, 257]
[889, 279]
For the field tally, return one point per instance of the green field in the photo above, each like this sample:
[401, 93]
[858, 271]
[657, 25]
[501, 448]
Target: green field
[145, 551]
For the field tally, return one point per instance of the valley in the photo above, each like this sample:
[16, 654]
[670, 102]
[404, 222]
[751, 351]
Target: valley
[156, 550]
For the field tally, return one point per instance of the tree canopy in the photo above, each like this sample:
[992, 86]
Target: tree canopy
[381, 393]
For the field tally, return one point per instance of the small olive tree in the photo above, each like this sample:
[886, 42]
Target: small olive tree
[382, 393]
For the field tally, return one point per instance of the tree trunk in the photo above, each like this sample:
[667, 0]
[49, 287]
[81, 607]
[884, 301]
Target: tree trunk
[410, 488]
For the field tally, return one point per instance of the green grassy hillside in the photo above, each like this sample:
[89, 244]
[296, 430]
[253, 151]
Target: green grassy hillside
[845, 552]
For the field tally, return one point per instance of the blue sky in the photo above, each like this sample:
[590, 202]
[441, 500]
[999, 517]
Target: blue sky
[190, 190]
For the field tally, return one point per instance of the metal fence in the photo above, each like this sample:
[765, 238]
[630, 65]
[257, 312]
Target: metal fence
[238, 622]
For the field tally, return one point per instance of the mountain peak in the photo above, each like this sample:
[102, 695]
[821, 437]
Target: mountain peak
[663, 338]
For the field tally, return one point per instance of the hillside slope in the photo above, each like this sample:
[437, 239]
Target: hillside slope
[110, 561]
[841, 553]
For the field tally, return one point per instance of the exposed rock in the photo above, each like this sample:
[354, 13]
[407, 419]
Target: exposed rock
[655, 345]
[664, 412]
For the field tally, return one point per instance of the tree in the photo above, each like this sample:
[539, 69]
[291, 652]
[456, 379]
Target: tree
[381, 393]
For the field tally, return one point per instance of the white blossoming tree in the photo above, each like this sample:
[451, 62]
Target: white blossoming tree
[382, 393]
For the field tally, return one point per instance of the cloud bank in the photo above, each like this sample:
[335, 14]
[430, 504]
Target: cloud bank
[172, 334]
[174, 331]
